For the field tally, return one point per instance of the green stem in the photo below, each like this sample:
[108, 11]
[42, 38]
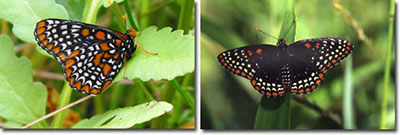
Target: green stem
[185, 15]
[65, 97]
[130, 16]
[387, 68]
[90, 11]
[176, 85]
[145, 90]
[348, 96]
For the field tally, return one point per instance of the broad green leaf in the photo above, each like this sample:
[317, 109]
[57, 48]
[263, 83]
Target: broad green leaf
[126, 117]
[175, 55]
[74, 8]
[24, 14]
[21, 99]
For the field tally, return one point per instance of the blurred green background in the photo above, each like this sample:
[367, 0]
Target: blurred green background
[230, 102]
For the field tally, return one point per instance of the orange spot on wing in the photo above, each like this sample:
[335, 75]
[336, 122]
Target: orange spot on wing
[68, 72]
[107, 55]
[293, 91]
[323, 69]
[69, 63]
[85, 32]
[118, 42]
[74, 53]
[317, 45]
[249, 77]
[41, 37]
[274, 94]
[301, 91]
[95, 91]
[71, 80]
[41, 24]
[281, 92]
[348, 43]
[106, 68]
[268, 93]
[250, 52]
[243, 74]
[258, 51]
[40, 30]
[56, 50]
[257, 88]
[49, 46]
[116, 56]
[100, 35]
[97, 58]
[334, 61]
[237, 72]
[339, 58]
[104, 46]
[85, 89]
[307, 45]
[106, 84]
[308, 89]
[346, 52]
[225, 64]
[321, 75]
[313, 87]
[329, 64]
[253, 82]
[78, 85]
[262, 92]
[62, 56]
[318, 82]
[45, 42]
[348, 48]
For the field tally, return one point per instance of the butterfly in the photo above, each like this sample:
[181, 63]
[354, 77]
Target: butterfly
[91, 55]
[297, 67]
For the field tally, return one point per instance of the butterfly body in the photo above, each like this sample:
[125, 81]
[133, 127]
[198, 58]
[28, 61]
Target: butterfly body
[91, 55]
[298, 67]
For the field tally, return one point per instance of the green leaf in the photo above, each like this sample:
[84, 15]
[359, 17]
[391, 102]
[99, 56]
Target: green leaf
[74, 8]
[175, 55]
[24, 14]
[21, 100]
[126, 117]
[274, 113]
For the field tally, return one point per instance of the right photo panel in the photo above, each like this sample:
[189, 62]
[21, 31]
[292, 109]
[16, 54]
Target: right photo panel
[297, 64]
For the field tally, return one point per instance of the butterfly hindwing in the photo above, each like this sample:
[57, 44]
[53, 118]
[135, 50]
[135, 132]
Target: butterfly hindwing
[261, 64]
[309, 59]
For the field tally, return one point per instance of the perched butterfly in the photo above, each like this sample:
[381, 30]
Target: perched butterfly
[91, 55]
[298, 67]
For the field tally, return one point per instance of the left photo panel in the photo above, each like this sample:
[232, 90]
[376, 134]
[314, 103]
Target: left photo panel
[75, 64]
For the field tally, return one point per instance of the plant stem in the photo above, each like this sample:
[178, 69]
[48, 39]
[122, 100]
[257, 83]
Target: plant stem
[387, 67]
[348, 96]
[185, 15]
[63, 101]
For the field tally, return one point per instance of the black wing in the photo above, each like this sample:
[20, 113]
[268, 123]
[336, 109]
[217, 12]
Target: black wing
[310, 59]
[261, 64]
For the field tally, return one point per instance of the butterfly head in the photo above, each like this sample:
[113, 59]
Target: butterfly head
[282, 43]
[131, 33]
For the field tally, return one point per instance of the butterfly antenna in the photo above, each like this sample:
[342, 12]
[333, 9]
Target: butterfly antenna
[258, 29]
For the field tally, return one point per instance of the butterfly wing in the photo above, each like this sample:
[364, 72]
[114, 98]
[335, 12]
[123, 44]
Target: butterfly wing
[61, 37]
[310, 59]
[90, 70]
[91, 55]
[261, 64]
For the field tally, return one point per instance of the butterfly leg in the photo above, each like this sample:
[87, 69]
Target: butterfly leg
[141, 47]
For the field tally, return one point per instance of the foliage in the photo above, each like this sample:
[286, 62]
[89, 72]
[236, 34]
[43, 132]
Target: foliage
[230, 102]
[149, 76]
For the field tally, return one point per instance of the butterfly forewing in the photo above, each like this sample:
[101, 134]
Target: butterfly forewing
[310, 59]
[261, 64]
[91, 55]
